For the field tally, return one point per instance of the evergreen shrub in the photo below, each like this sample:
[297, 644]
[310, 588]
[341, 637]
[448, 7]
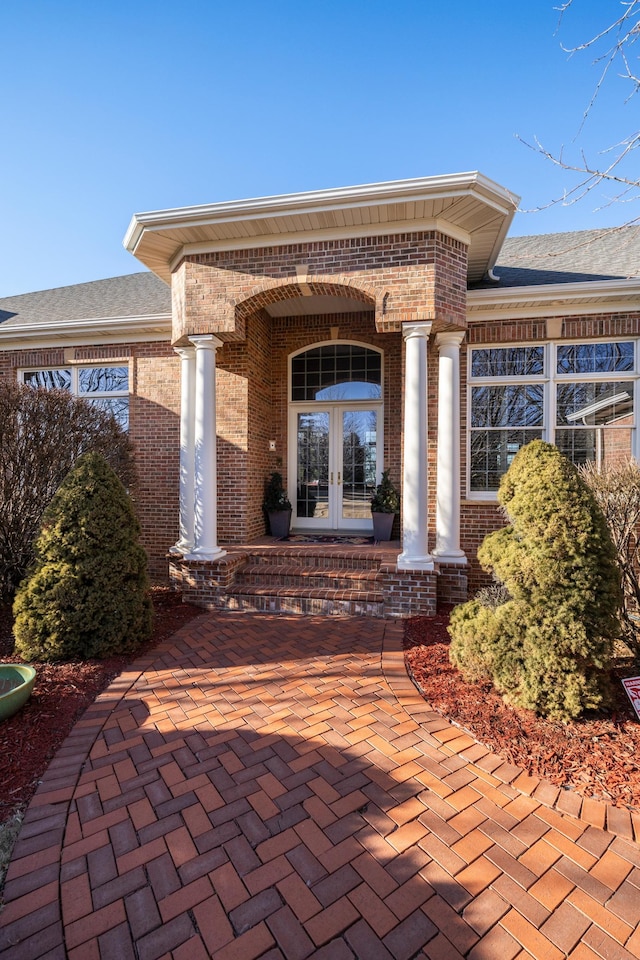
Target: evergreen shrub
[546, 645]
[386, 499]
[88, 593]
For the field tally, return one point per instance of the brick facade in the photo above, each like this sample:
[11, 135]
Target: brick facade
[240, 296]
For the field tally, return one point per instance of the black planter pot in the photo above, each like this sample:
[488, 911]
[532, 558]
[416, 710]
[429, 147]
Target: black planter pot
[382, 525]
[279, 523]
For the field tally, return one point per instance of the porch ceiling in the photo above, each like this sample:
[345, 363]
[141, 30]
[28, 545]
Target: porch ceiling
[467, 206]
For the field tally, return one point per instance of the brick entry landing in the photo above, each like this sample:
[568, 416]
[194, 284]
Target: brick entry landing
[315, 578]
[269, 787]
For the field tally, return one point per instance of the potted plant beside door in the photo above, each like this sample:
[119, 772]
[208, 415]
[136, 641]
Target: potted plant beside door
[277, 506]
[385, 503]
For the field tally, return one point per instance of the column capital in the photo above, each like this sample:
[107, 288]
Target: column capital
[185, 353]
[419, 328]
[205, 341]
[450, 337]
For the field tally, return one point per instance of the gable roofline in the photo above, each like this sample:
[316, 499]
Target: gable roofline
[472, 207]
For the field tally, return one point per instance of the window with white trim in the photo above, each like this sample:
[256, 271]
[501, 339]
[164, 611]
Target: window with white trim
[580, 396]
[106, 387]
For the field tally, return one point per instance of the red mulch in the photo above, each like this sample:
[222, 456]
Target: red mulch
[30, 738]
[597, 757]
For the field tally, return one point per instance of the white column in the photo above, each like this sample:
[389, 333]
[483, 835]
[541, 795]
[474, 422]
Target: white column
[205, 521]
[415, 555]
[448, 492]
[187, 448]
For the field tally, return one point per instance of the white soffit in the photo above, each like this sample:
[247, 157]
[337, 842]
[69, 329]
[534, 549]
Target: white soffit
[469, 206]
[558, 299]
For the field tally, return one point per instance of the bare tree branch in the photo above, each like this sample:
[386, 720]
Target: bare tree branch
[618, 39]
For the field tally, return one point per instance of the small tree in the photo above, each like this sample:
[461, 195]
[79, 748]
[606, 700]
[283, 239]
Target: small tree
[548, 644]
[42, 434]
[386, 498]
[275, 495]
[616, 487]
[87, 595]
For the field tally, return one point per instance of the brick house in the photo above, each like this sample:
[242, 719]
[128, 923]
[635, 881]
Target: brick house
[330, 335]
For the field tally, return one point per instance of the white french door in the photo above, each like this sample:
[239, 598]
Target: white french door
[334, 464]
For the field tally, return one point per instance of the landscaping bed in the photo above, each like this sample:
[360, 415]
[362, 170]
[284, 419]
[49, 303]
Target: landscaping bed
[30, 738]
[597, 757]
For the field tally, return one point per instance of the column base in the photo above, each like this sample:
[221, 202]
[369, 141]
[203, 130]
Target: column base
[408, 562]
[181, 548]
[202, 553]
[453, 556]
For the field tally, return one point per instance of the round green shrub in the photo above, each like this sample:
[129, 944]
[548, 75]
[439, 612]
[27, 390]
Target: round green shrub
[88, 592]
[547, 647]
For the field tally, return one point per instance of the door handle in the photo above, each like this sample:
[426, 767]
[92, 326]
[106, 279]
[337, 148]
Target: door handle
[339, 480]
[331, 481]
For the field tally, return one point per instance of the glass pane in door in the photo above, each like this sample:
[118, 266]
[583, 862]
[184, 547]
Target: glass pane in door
[312, 492]
[359, 452]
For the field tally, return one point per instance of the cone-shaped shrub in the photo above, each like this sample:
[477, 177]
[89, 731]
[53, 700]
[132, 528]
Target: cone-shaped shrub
[87, 595]
[548, 645]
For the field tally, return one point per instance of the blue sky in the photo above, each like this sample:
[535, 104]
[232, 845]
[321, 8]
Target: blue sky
[111, 108]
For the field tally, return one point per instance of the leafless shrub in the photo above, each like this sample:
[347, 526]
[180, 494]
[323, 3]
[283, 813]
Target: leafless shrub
[617, 490]
[493, 596]
[42, 434]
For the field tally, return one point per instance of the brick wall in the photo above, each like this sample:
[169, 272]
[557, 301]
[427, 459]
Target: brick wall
[245, 417]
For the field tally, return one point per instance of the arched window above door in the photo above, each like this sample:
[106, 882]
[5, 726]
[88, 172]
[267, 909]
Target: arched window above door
[336, 371]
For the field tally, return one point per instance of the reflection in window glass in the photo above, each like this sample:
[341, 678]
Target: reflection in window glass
[514, 405]
[593, 403]
[492, 452]
[118, 407]
[103, 379]
[313, 465]
[595, 357]
[359, 455]
[48, 379]
[593, 411]
[507, 362]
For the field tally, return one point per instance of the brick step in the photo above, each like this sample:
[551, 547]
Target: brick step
[329, 558]
[309, 577]
[276, 598]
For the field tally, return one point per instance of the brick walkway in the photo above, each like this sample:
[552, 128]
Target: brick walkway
[270, 787]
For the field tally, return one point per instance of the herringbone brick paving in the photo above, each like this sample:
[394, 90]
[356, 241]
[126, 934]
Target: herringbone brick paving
[273, 787]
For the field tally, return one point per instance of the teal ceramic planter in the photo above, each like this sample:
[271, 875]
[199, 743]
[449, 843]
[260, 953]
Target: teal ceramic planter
[16, 684]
